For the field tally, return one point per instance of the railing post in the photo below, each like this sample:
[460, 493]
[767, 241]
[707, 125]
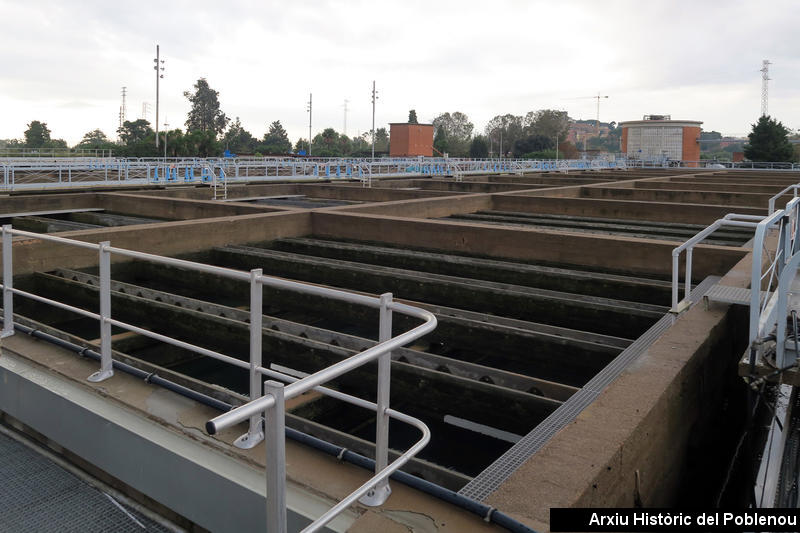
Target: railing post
[8, 283]
[381, 491]
[106, 362]
[675, 279]
[254, 434]
[687, 278]
[276, 459]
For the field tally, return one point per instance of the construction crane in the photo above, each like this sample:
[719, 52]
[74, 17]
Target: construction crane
[598, 97]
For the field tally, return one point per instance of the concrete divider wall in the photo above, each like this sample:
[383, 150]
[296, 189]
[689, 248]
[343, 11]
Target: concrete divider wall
[619, 209]
[47, 202]
[169, 238]
[175, 208]
[613, 253]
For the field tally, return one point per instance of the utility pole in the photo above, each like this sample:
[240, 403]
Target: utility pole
[145, 109]
[765, 87]
[344, 128]
[123, 110]
[597, 124]
[165, 138]
[159, 68]
[309, 123]
[374, 97]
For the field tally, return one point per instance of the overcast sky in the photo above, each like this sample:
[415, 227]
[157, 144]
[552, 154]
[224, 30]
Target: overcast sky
[64, 63]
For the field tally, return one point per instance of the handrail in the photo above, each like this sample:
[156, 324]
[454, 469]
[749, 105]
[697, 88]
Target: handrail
[731, 219]
[772, 200]
[272, 400]
[782, 267]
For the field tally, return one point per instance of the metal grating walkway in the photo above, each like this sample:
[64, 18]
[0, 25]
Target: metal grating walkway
[38, 495]
[490, 479]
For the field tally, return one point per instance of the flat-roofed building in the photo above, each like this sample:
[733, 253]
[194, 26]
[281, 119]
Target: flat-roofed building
[659, 138]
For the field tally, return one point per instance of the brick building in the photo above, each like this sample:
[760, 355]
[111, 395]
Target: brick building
[658, 137]
[410, 139]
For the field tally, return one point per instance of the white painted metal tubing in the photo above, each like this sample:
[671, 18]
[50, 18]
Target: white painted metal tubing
[378, 494]
[106, 361]
[179, 344]
[8, 282]
[245, 411]
[772, 200]
[755, 277]
[52, 238]
[54, 303]
[385, 473]
[731, 219]
[275, 435]
[254, 433]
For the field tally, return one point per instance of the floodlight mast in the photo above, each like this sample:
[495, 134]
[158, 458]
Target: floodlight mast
[159, 68]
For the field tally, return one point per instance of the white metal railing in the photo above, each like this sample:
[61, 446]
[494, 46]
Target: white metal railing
[271, 402]
[779, 271]
[774, 199]
[732, 219]
[21, 173]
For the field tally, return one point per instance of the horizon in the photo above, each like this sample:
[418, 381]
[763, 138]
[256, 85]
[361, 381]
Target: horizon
[647, 58]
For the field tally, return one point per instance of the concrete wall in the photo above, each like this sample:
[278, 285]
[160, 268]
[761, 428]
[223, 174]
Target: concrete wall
[168, 238]
[615, 253]
[175, 208]
[640, 438]
[620, 209]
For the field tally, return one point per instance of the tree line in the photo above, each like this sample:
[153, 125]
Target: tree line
[209, 132]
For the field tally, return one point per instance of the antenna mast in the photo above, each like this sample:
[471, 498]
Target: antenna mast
[765, 87]
[123, 110]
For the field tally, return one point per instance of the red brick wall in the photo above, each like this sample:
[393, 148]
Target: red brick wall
[410, 140]
[691, 148]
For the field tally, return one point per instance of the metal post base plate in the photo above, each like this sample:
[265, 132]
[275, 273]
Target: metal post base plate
[100, 376]
[247, 441]
[376, 496]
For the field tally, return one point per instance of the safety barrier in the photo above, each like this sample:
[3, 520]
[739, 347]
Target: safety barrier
[376, 490]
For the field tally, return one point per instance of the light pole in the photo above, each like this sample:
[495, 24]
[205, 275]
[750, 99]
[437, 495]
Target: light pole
[374, 97]
[556, 149]
[159, 68]
[309, 124]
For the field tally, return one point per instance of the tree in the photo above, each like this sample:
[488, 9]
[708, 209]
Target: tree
[237, 139]
[457, 129]
[276, 140]
[37, 135]
[533, 143]
[95, 140]
[547, 122]
[506, 130]
[412, 117]
[133, 132]
[479, 148]
[440, 143]
[768, 142]
[202, 144]
[381, 140]
[301, 145]
[710, 136]
[205, 114]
